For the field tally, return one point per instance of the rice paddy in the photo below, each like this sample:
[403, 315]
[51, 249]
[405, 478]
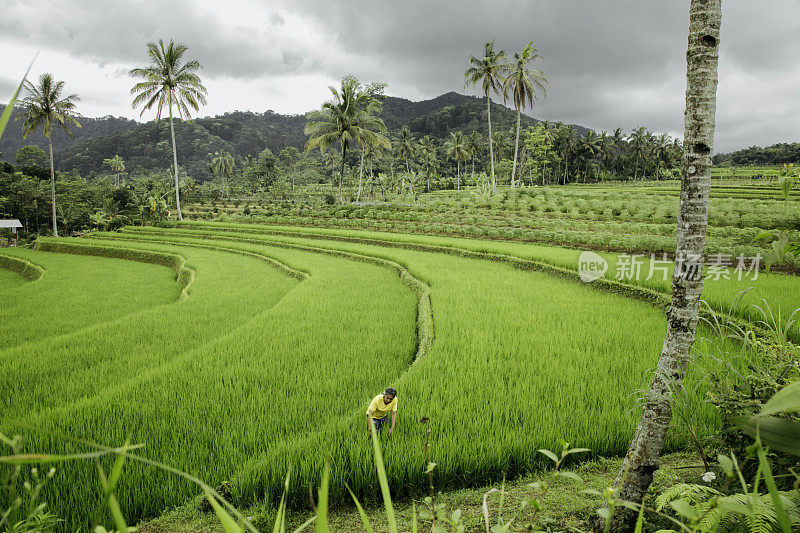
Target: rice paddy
[10, 280]
[268, 361]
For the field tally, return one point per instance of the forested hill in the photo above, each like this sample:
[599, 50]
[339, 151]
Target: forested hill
[91, 128]
[777, 154]
[450, 112]
[244, 133]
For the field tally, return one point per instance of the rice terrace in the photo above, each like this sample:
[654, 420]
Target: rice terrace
[386, 314]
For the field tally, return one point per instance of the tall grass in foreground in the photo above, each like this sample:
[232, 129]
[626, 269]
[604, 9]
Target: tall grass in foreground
[698, 508]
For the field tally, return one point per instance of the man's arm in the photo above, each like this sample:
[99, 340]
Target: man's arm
[369, 420]
[394, 420]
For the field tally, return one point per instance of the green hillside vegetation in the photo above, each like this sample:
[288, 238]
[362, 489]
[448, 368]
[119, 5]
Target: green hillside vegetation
[242, 133]
[776, 154]
[91, 129]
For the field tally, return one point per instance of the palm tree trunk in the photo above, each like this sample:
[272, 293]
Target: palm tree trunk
[360, 173]
[341, 173]
[687, 281]
[491, 144]
[403, 179]
[53, 187]
[175, 161]
[458, 175]
[516, 149]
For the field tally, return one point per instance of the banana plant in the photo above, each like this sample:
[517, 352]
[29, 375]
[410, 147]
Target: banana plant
[782, 247]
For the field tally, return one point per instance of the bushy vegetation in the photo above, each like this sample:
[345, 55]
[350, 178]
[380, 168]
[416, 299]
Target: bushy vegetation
[777, 154]
[631, 219]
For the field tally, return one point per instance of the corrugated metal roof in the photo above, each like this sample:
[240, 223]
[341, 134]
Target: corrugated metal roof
[10, 223]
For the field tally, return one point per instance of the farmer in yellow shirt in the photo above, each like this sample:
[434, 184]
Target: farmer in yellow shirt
[379, 409]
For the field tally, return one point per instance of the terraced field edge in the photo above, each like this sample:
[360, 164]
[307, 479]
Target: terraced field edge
[425, 325]
[656, 298]
[24, 268]
[177, 263]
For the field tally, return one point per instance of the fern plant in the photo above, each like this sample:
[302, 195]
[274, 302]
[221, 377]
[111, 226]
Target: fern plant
[706, 509]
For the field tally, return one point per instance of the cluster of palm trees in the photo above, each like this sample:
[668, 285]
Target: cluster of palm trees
[166, 82]
[497, 75]
[349, 118]
[572, 157]
[592, 156]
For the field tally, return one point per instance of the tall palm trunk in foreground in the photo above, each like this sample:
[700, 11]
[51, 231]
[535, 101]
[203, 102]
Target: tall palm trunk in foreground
[491, 148]
[687, 281]
[516, 150]
[53, 187]
[175, 161]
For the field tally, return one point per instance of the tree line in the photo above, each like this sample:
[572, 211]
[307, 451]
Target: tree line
[545, 154]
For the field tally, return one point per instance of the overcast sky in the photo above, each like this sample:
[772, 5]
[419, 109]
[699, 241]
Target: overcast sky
[610, 63]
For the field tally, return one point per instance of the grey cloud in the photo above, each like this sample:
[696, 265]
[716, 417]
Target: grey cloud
[610, 63]
[117, 32]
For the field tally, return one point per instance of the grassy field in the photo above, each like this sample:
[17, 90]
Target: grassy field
[487, 317]
[564, 503]
[205, 383]
[100, 288]
[287, 333]
[781, 291]
[10, 280]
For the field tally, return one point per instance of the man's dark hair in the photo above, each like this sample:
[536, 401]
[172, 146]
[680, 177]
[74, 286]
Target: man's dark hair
[391, 392]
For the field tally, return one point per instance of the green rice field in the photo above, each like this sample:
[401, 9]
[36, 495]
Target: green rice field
[238, 352]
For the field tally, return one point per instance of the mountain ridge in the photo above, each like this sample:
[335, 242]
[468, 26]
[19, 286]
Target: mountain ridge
[145, 145]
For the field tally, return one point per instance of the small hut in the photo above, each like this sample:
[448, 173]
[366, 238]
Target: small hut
[11, 224]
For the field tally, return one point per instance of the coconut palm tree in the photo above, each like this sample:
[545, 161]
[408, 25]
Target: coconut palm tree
[606, 152]
[369, 101]
[45, 107]
[427, 151]
[637, 142]
[590, 147]
[346, 119]
[457, 148]
[662, 152]
[474, 142]
[523, 83]
[687, 280]
[117, 165]
[565, 139]
[222, 165]
[406, 147]
[488, 71]
[168, 81]
[618, 146]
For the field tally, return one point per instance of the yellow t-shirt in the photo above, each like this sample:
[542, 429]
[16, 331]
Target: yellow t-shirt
[380, 409]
